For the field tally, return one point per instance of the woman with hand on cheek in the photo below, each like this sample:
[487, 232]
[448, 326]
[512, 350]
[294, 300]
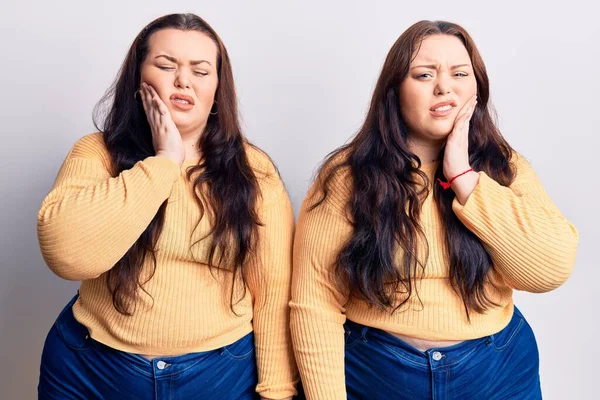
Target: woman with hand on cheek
[180, 232]
[413, 237]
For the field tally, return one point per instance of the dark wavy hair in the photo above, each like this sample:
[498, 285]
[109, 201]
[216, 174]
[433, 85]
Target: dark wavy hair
[230, 188]
[385, 201]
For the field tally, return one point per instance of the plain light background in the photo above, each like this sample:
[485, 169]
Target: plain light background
[304, 73]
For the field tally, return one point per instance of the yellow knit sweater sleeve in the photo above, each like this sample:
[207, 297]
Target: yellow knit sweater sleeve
[90, 219]
[269, 280]
[317, 305]
[530, 242]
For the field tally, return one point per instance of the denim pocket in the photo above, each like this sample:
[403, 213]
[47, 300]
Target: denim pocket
[240, 350]
[353, 335]
[72, 332]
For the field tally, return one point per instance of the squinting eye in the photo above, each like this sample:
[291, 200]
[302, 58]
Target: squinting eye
[425, 75]
[201, 73]
[166, 68]
[462, 74]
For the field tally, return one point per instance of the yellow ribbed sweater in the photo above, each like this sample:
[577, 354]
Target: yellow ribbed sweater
[532, 247]
[90, 219]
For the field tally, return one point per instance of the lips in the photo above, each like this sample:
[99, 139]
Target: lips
[443, 109]
[181, 98]
[446, 105]
[182, 102]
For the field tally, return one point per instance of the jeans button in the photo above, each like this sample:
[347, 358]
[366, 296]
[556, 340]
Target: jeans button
[161, 365]
[437, 356]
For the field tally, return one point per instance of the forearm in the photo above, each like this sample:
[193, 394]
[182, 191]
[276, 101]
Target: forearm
[85, 227]
[529, 240]
[270, 281]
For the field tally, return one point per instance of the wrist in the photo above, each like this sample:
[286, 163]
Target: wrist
[464, 186]
[453, 177]
[171, 156]
[450, 171]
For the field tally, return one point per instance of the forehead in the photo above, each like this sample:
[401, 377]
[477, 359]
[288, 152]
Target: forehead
[183, 45]
[442, 49]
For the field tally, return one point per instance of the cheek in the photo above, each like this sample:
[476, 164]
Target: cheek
[413, 111]
[158, 82]
[409, 114]
[474, 85]
[148, 76]
[469, 90]
[415, 100]
[205, 95]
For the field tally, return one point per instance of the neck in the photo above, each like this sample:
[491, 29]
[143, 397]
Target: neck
[191, 143]
[427, 151]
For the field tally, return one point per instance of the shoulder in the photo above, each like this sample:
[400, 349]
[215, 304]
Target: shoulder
[90, 147]
[333, 183]
[518, 160]
[262, 165]
[266, 173]
[522, 169]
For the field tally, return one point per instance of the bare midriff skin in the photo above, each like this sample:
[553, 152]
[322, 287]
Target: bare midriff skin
[150, 357]
[424, 345]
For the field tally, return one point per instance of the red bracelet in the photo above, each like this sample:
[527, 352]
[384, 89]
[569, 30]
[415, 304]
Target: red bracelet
[446, 185]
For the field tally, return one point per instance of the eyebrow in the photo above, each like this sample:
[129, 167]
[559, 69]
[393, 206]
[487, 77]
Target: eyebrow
[174, 60]
[433, 66]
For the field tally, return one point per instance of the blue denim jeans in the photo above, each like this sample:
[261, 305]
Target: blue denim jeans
[501, 366]
[74, 366]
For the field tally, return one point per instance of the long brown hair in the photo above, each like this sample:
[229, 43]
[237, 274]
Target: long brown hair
[230, 188]
[385, 202]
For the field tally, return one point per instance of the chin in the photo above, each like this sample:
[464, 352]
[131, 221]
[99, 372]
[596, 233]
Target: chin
[441, 131]
[185, 125]
[439, 134]
[181, 119]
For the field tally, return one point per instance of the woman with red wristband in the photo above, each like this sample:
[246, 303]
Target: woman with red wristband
[403, 287]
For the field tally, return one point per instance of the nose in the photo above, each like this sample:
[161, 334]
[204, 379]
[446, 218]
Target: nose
[182, 80]
[442, 85]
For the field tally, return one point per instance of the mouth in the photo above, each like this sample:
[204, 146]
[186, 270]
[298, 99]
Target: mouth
[182, 99]
[443, 110]
[443, 107]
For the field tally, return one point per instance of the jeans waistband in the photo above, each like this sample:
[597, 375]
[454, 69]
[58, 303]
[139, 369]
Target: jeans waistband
[438, 356]
[78, 336]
